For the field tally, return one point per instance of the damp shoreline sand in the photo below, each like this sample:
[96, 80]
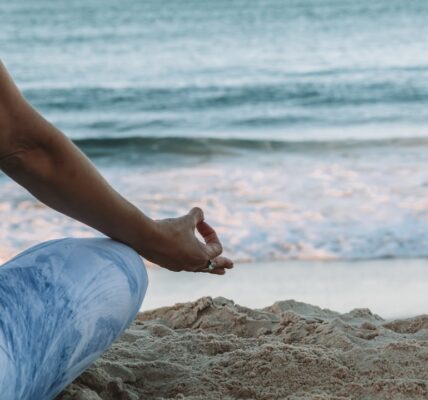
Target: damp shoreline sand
[339, 285]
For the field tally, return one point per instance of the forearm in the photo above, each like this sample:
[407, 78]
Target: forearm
[64, 179]
[39, 157]
[53, 169]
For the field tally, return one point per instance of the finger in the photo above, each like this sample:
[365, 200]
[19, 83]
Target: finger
[217, 271]
[211, 239]
[223, 262]
[196, 216]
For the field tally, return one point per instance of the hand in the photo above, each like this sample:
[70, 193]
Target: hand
[176, 247]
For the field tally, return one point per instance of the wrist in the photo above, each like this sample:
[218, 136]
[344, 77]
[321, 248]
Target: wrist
[145, 236]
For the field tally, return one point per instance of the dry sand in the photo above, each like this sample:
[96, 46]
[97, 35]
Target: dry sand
[215, 349]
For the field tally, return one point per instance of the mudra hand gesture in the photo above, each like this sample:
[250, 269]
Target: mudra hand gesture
[184, 252]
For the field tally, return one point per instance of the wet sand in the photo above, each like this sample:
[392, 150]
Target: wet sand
[338, 285]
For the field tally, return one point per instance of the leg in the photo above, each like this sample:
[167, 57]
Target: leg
[62, 304]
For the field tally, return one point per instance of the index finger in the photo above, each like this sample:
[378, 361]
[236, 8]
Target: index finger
[211, 239]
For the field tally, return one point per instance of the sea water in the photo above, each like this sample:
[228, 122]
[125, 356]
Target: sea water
[299, 126]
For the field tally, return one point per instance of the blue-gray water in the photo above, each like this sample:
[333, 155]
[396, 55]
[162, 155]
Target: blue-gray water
[299, 126]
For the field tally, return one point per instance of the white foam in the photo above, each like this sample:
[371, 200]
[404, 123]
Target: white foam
[266, 206]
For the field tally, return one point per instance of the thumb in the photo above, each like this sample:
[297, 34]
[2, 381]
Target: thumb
[196, 216]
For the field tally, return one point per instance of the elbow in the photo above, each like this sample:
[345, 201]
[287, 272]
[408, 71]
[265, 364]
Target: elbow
[19, 151]
[14, 149]
[14, 143]
[27, 141]
[22, 145]
[8, 153]
[32, 151]
[26, 163]
[12, 163]
[14, 156]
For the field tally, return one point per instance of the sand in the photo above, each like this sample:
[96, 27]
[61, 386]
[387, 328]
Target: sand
[216, 349]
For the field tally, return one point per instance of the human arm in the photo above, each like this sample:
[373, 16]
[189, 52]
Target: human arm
[43, 160]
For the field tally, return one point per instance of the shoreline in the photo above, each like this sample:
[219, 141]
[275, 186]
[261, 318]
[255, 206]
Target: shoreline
[337, 284]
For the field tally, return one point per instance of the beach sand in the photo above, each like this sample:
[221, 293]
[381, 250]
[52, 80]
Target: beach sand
[212, 348]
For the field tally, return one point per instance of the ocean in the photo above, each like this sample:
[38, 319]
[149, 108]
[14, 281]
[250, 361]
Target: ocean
[299, 126]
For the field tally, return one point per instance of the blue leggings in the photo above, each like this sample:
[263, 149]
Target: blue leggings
[62, 304]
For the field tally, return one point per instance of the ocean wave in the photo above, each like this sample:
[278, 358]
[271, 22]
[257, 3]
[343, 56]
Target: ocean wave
[127, 146]
[284, 102]
[312, 91]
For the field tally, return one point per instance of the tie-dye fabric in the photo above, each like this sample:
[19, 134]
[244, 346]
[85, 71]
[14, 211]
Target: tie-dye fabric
[62, 304]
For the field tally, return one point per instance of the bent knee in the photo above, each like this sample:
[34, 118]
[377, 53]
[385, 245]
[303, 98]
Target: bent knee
[83, 260]
[104, 252]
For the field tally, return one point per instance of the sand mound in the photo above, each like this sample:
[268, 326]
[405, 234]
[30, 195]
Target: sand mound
[216, 349]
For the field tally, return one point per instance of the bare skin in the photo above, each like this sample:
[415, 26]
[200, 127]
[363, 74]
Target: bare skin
[43, 160]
